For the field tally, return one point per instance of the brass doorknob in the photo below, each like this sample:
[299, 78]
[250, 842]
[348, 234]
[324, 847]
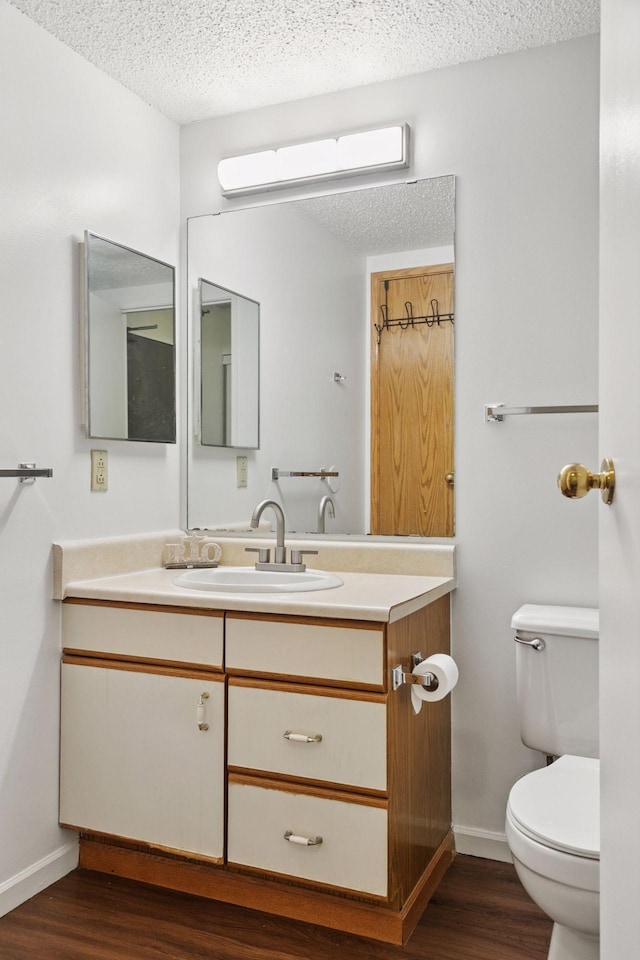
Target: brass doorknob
[449, 478]
[576, 481]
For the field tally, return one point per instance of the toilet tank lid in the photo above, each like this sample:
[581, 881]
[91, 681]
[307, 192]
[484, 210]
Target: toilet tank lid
[560, 621]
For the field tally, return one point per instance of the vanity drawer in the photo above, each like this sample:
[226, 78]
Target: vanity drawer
[352, 750]
[353, 852]
[168, 635]
[306, 650]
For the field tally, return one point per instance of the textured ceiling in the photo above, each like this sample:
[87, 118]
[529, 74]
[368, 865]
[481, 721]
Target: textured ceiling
[193, 59]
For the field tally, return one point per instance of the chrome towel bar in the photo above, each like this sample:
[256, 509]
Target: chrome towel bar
[277, 473]
[27, 471]
[496, 412]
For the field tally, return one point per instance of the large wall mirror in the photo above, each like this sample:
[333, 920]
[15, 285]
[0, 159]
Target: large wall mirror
[356, 361]
[129, 334]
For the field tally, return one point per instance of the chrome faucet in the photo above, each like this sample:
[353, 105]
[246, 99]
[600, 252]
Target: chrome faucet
[326, 506]
[281, 550]
[280, 560]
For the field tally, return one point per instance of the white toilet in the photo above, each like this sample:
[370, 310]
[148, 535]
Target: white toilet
[553, 822]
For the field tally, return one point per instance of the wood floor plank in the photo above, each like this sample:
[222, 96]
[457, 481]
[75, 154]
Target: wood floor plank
[479, 912]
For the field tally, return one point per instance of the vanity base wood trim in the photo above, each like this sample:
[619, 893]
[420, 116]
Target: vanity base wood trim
[325, 910]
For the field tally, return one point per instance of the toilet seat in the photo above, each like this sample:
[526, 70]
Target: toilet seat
[553, 822]
[559, 806]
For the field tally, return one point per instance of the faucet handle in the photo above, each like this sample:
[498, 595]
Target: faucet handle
[264, 553]
[296, 555]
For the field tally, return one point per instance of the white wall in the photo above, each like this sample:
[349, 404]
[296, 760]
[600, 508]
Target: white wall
[78, 152]
[520, 132]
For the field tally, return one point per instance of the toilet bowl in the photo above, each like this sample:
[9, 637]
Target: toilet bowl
[552, 828]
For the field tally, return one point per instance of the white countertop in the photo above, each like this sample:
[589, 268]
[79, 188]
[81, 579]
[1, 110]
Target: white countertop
[364, 596]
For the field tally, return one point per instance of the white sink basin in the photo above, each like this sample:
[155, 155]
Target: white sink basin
[250, 580]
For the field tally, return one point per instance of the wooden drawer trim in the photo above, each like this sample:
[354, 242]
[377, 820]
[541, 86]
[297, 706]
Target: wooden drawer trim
[179, 670]
[373, 625]
[306, 682]
[305, 784]
[115, 658]
[287, 686]
[282, 785]
[147, 607]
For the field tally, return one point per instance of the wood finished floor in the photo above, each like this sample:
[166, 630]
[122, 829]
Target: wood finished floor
[479, 912]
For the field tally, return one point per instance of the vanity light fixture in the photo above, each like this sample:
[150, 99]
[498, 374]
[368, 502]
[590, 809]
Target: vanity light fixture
[370, 151]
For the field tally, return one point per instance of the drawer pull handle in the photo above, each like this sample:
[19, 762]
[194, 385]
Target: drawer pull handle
[303, 841]
[200, 712]
[302, 737]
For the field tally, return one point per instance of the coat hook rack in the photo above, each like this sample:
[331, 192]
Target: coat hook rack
[409, 320]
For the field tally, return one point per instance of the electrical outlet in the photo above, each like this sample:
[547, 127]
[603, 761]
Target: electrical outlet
[242, 468]
[99, 471]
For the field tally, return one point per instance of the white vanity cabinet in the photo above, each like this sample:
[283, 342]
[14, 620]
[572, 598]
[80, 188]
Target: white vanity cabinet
[316, 792]
[143, 739]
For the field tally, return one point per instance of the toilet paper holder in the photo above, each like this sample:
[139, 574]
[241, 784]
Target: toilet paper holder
[398, 676]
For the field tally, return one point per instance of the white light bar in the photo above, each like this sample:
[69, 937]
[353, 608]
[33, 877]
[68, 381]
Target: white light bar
[385, 148]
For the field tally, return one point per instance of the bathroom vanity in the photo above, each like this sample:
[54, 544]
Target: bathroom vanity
[252, 749]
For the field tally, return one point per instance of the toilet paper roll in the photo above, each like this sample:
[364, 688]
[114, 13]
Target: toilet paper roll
[445, 669]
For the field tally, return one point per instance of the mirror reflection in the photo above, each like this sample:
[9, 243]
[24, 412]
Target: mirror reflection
[129, 344]
[349, 413]
[229, 368]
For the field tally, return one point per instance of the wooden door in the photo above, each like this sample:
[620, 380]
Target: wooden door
[412, 403]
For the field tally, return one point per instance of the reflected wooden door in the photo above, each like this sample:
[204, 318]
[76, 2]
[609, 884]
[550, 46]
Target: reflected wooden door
[412, 404]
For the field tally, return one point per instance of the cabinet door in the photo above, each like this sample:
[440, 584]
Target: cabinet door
[134, 761]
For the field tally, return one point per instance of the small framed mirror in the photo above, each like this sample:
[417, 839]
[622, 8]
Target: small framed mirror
[228, 362]
[129, 344]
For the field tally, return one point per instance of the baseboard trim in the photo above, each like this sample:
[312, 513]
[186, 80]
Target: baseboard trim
[487, 844]
[35, 878]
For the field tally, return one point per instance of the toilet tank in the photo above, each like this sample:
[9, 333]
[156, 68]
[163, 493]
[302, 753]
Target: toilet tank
[557, 687]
